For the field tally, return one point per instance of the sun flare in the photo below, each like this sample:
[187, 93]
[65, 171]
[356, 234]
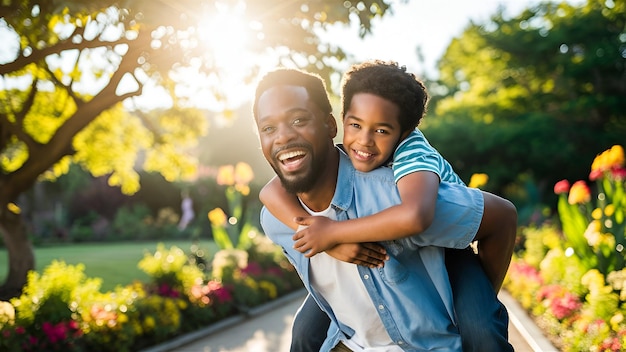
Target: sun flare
[225, 33]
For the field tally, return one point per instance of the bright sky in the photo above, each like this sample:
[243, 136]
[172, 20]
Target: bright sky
[428, 24]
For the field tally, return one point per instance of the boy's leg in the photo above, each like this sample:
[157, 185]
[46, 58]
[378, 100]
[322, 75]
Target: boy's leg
[310, 325]
[483, 320]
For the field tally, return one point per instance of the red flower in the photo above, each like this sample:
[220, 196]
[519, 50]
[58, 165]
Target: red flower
[618, 173]
[595, 174]
[561, 187]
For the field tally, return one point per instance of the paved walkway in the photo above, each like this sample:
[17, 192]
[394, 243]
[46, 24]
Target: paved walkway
[268, 330]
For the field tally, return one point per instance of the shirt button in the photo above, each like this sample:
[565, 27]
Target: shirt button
[366, 276]
[381, 307]
[400, 342]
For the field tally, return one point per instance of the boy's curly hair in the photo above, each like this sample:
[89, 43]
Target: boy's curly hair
[390, 81]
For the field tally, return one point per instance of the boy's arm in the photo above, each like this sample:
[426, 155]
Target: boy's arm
[282, 205]
[418, 191]
[285, 206]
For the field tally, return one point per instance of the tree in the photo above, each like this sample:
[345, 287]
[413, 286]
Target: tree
[538, 94]
[70, 65]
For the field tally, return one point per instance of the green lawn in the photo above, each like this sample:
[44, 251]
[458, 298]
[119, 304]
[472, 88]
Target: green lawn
[116, 263]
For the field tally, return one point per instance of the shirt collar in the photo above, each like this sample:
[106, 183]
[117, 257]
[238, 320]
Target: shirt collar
[345, 180]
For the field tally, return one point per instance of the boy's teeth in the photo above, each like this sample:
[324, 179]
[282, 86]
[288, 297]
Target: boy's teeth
[363, 154]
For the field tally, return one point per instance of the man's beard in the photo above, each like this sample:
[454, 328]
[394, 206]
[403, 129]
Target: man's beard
[305, 182]
[300, 184]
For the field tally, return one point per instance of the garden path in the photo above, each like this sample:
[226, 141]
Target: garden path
[268, 330]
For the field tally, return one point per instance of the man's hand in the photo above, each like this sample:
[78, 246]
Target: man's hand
[371, 255]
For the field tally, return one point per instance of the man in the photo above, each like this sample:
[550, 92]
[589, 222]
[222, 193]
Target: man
[405, 305]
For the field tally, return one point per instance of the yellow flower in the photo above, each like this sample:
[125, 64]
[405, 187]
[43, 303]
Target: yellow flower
[608, 159]
[149, 323]
[217, 217]
[616, 320]
[7, 313]
[13, 208]
[592, 234]
[616, 156]
[243, 189]
[579, 193]
[609, 209]
[243, 173]
[478, 180]
[596, 214]
[226, 175]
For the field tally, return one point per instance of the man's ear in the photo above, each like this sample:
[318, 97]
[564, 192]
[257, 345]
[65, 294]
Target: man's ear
[332, 125]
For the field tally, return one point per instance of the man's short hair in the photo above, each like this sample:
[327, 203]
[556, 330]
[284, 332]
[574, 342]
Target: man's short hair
[313, 83]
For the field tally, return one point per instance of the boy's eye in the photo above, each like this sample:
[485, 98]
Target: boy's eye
[382, 131]
[355, 125]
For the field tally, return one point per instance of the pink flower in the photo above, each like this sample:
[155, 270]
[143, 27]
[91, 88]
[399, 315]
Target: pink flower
[562, 303]
[618, 173]
[526, 270]
[55, 333]
[561, 187]
[595, 174]
[611, 344]
[253, 269]
[220, 292]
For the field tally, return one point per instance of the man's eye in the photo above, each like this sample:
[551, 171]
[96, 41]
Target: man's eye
[268, 129]
[300, 121]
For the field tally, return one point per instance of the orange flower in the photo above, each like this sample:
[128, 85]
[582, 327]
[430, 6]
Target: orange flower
[561, 187]
[579, 193]
[609, 159]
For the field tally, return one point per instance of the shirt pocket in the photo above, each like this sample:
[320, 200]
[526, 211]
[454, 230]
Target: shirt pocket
[393, 272]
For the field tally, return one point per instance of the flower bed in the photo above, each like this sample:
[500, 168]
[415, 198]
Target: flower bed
[572, 278]
[63, 310]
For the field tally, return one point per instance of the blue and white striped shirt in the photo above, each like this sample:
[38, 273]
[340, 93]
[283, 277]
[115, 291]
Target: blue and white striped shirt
[415, 154]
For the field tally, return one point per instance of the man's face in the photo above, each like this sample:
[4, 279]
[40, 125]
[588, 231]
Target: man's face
[295, 135]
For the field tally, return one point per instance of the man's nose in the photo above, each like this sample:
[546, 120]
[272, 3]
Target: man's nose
[286, 133]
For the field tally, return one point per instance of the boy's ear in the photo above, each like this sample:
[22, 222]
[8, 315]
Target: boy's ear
[332, 125]
[405, 134]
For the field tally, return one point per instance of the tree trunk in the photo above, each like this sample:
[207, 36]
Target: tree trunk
[21, 257]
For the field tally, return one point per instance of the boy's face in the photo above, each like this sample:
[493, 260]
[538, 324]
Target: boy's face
[296, 136]
[371, 131]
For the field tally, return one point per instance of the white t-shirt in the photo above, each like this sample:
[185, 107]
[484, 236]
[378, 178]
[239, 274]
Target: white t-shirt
[341, 286]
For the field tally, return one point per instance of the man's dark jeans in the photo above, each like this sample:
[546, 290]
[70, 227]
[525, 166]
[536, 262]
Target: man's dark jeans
[483, 320]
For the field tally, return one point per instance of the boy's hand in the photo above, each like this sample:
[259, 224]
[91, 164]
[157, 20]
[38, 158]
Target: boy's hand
[314, 235]
[369, 254]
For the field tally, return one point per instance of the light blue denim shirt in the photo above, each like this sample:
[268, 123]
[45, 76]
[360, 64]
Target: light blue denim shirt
[411, 292]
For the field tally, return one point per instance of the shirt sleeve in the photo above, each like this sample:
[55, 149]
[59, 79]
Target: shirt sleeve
[415, 154]
[458, 214]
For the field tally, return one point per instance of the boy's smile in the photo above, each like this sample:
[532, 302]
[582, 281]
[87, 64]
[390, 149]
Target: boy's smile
[371, 131]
